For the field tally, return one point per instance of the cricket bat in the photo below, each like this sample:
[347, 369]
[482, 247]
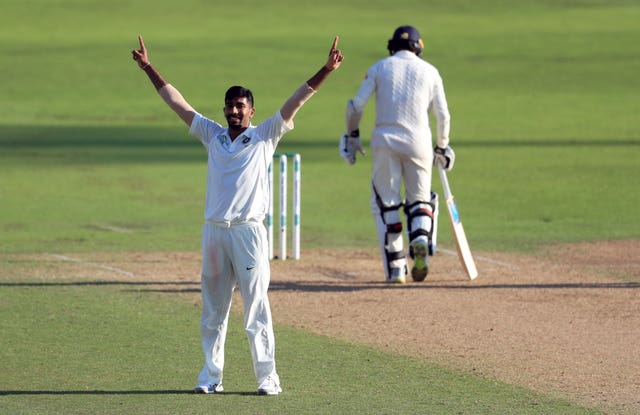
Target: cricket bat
[462, 246]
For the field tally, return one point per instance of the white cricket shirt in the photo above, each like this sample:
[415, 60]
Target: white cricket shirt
[237, 181]
[406, 88]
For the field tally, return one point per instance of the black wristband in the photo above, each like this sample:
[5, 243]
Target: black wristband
[156, 79]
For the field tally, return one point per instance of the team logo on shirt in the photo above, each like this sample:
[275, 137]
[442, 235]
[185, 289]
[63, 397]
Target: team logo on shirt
[246, 140]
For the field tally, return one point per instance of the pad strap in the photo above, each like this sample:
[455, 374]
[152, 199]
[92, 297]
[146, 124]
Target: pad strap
[385, 208]
[394, 227]
[414, 213]
[392, 256]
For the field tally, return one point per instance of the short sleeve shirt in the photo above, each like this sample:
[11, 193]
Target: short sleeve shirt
[237, 171]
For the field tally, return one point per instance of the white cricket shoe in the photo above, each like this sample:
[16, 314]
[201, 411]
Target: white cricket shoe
[269, 386]
[208, 388]
[397, 275]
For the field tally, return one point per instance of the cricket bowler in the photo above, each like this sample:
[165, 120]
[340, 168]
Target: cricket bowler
[234, 238]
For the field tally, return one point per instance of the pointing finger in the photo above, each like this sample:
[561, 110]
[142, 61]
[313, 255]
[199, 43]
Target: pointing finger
[335, 43]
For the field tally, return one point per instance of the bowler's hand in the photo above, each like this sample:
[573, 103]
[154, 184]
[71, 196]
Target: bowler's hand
[140, 55]
[335, 56]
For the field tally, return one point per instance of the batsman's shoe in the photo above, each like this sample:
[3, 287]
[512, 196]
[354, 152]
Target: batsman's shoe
[397, 275]
[269, 386]
[420, 268]
[208, 388]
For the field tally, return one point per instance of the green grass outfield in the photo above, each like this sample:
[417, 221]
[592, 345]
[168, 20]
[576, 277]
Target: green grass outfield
[543, 95]
[101, 347]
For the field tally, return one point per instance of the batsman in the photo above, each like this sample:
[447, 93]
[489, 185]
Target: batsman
[408, 89]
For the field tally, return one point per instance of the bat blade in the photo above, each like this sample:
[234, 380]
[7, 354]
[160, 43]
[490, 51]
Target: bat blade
[462, 245]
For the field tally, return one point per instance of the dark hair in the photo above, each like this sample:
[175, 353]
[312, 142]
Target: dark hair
[238, 92]
[406, 38]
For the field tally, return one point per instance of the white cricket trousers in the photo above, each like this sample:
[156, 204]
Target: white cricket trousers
[236, 254]
[390, 171]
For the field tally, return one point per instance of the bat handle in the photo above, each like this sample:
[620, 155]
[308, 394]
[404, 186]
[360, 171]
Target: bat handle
[445, 182]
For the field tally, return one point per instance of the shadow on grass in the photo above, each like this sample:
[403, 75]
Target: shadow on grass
[97, 283]
[323, 287]
[149, 137]
[116, 392]
[338, 286]
[353, 287]
[153, 144]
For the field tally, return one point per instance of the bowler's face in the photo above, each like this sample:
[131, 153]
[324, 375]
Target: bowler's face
[238, 113]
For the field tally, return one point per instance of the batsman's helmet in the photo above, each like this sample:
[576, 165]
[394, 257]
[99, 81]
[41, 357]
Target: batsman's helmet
[406, 38]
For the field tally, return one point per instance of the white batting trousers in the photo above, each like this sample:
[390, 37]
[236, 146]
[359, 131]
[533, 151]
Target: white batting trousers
[391, 168]
[391, 171]
[236, 254]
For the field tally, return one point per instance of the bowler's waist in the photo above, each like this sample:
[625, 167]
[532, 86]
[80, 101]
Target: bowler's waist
[233, 222]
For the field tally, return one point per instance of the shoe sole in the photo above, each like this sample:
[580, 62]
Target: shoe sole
[420, 268]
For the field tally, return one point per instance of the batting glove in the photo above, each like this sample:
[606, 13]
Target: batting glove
[445, 156]
[349, 145]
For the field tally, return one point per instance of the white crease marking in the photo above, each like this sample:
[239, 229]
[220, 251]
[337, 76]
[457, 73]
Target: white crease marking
[95, 264]
[480, 258]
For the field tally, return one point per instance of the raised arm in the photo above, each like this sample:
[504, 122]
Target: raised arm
[302, 94]
[167, 92]
[333, 63]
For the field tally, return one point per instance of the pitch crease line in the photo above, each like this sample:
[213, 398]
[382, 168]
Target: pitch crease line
[481, 258]
[95, 264]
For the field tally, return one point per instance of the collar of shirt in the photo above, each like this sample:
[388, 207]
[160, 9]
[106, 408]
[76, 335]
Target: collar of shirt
[405, 54]
[244, 138]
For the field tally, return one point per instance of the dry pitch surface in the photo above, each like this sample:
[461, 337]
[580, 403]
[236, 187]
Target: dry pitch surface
[566, 323]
